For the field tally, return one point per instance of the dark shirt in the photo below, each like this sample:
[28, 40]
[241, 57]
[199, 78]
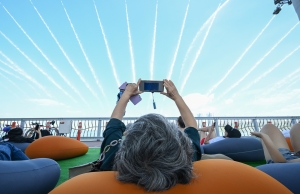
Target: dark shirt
[16, 135]
[114, 131]
[193, 134]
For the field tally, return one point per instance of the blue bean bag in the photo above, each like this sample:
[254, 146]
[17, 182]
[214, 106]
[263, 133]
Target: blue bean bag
[287, 174]
[28, 176]
[246, 149]
[21, 146]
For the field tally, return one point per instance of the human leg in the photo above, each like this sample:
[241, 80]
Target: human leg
[295, 137]
[5, 152]
[275, 135]
[16, 153]
[211, 134]
[272, 139]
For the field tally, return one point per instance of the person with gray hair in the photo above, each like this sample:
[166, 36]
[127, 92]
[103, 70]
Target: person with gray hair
[155, 154]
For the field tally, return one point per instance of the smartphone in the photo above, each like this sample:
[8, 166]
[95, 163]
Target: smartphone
[123, 86]
[151, 86]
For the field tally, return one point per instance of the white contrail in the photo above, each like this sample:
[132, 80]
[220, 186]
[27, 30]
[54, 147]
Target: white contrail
[107, 48]
[87, 60]
[287, 79]
[48, 60]
[197, 54]
[130, 46]
[67, 57]
[16, 85]
[179, 41]
[36, 66]
[198, 34]
[258, 62]
[17, 69]
[283, 82]
[240, 58]
[15, 76]
[8, 89]
[9, 73]
[297, 78]
[271, 69]
[153, 44]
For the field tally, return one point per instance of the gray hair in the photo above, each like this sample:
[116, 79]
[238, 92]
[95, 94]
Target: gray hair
[155, 155]
[128, 127]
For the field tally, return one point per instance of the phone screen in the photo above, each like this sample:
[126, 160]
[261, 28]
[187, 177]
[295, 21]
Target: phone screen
[151, 86]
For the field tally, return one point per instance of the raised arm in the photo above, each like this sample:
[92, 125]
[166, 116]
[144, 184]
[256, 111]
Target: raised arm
[115, 128]
[184, 110]
[187, 117]
[131, 90]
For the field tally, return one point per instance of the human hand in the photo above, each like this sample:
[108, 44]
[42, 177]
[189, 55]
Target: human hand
[172, 92]
[132, 89]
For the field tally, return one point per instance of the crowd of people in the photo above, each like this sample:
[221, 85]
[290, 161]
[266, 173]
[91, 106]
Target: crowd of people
[157, 154]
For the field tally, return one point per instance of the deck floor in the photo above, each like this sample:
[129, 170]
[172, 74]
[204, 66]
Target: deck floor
[94, 144]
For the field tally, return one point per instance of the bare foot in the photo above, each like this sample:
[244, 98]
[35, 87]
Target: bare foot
[257, 134]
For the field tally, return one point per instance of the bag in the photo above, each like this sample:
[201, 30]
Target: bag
[92, 166]
[81, 169]
[84, 168]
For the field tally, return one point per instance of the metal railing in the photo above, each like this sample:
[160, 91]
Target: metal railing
[93, 127]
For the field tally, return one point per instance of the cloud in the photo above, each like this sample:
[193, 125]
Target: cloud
[199, 103]
[229, 101]
[47, 102]
[277, 98]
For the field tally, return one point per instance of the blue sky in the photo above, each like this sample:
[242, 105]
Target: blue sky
[68, 58]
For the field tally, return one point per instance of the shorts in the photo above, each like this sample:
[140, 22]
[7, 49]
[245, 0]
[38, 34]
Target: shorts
[287, 154]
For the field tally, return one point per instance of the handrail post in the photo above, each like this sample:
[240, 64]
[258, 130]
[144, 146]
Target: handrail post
[99, 129]
[294, 121]
[255, 125]
[217, 128]
[22, 123]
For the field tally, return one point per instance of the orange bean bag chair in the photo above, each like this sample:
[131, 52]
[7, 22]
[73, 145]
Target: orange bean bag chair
[213, 176]
[56, 148]
[288, 141]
